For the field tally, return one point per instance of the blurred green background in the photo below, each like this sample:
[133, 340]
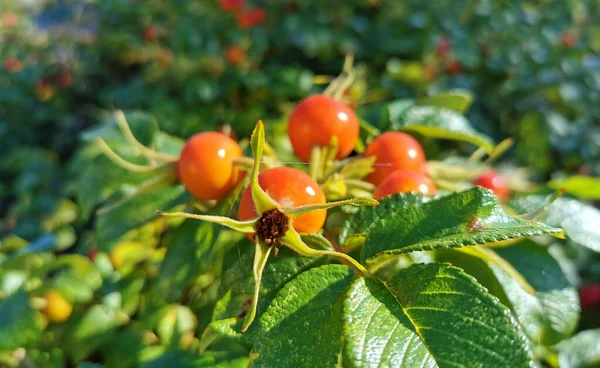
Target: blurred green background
[189, 66]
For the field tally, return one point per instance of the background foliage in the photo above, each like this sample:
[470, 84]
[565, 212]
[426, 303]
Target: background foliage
[179, 67]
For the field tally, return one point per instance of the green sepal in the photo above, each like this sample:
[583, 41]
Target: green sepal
[262, 201]
[260, 260]
[241, 226]
[358, 202]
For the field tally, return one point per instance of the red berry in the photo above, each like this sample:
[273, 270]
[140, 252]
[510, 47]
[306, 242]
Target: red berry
[403, 181]
[394, 151]
[568, 39]
[235, 54]
[290, 188]
[589, 296]
[316, 120]
[149, 33]
[64, 79]
[443, 47]
[9, 19]
[251, 17]
[232, 5]
[206, 166]
[453, 67]
[495, 182]
[92, 253]
[13, 65]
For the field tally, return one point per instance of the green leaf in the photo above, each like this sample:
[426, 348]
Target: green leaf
[20, 324]
[177, 321]
[188, 245]
[441, 123]
[186, 359]
[430, 315]
[238, 280]
[112, 224]
[581, 350]
[549, 316]
[97, 327]
[118, 353]
[584, 187]
[303, 325]
[457, 100]
[579, 220]
[557, 300]
[360, 224]
[470, 217]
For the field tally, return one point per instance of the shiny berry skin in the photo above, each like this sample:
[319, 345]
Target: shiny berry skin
[316, 120]
[589, 296]
[290, 188]
[57, 309]
[394, 151]
[493, 181]
[404, 181]
[206, 166]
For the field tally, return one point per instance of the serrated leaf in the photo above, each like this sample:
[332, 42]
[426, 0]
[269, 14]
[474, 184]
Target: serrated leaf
[430, 315]
[303, 325]
[470, 217]
[579, 220]
[457, 100]
[557, 299]
[584, 187]
[20, 324]
[436, 122]
[361, 223]
[581, 350]
[547, 317]
[238, 280]
[110, 225]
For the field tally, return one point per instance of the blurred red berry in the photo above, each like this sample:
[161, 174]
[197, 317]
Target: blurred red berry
[92, 253]
[232, 5]
[443, 47]
[149, 33]
[9, 19]
[453, 67]
[235, 54]
[64, 79]
[252, 17]
[495, 182]
[589, 296]
[13, 65]
[568, 39]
